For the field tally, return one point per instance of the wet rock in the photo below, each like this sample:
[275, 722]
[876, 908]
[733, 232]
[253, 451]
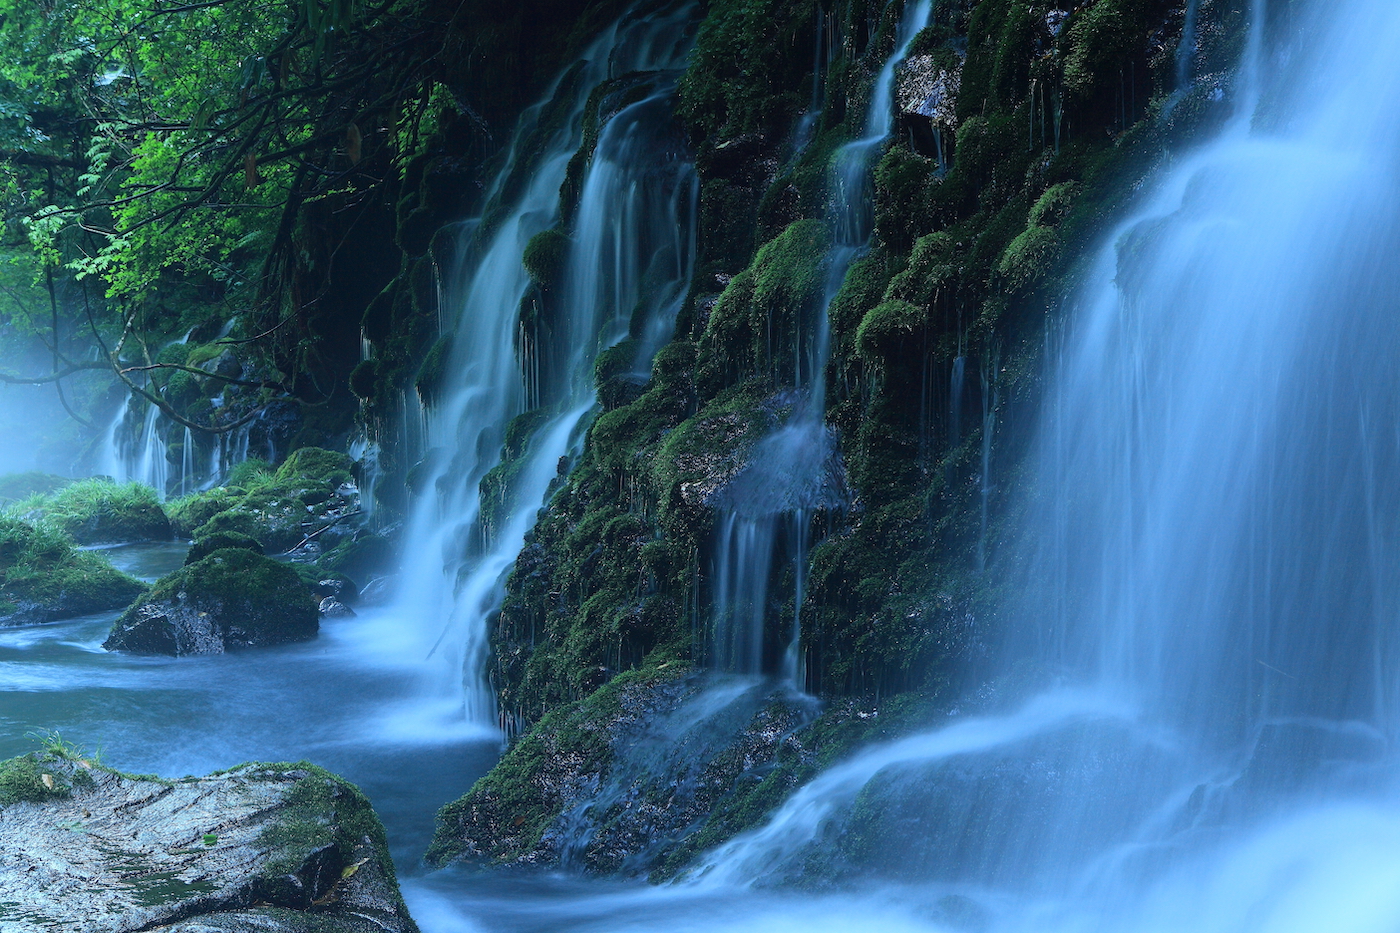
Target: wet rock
[231, 599]
[332, 608]
[928, 88]
[618, 781]
[261, 847]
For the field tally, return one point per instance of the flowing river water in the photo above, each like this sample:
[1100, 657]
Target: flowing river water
[1211, 595]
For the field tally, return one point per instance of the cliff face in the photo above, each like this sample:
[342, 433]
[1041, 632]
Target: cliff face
[865, 557]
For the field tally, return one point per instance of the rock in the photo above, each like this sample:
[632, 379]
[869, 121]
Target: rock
[270, 847]
[615, 784]
[333, 608]
[233, 598]
[928, 88]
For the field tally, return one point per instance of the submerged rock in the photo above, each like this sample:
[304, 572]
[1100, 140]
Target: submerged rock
[232, 598]
[270, 847]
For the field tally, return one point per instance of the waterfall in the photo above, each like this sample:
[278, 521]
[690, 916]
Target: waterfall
[137, 455]
[1211, 571]
[764, 518]
[633, 229]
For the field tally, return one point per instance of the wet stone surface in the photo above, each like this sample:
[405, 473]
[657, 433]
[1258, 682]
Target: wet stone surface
[262, 847]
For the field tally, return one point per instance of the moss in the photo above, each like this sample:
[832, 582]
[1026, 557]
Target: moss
[433, 370]
[509, 808]
[22, 779]
[315, 466]
[1054, 205]
[545, 256]
[776, 294]
[364, 378]
[99, 511]
[218, 541]
[43, 577]
[190, 512]
[1029, 256]
[887, 329]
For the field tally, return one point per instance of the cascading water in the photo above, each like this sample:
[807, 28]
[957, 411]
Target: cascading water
[765, 514]
[1214, 560]
[629, 260]
[137, 456]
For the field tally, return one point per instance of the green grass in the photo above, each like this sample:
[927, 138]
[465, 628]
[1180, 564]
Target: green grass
[99, 511]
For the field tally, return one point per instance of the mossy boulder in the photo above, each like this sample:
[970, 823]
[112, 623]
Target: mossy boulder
[99, 511]
[282, 848]
[233, 598]
[43, 577]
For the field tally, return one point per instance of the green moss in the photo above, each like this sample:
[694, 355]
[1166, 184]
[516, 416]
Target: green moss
[364, 379]
[190, 512]
[507, 801]
[236, 575]
[315, 467]
[22, 779]
[218, 541]
[1029, 256]
[776, 294]
[544, 257]
[43, 577]
[434, 368]
[1054, 205]
[99, 511]
[17, 486]
[887, 329]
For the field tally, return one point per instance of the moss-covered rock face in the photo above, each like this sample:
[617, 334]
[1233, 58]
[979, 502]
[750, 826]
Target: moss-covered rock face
[285, 848]
[233, 598]
[44, 578]
[99, 511]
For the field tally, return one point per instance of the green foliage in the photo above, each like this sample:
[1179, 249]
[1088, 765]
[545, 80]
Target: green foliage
[17, 486]
[218, 541]
[1054, 205]
[94, 511]
[315, 467]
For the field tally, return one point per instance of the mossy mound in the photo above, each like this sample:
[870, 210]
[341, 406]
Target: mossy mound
[43, 577]
[99, 511]
[233, 598]
[307, 500]
[15, 487]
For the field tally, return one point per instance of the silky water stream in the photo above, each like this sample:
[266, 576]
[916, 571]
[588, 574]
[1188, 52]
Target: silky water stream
[1210, 592]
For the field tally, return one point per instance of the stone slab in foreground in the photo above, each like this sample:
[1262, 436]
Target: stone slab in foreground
[262, 847]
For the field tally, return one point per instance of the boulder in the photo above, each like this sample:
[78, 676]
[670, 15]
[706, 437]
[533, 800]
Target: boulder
[269, 847]
[233, 598]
